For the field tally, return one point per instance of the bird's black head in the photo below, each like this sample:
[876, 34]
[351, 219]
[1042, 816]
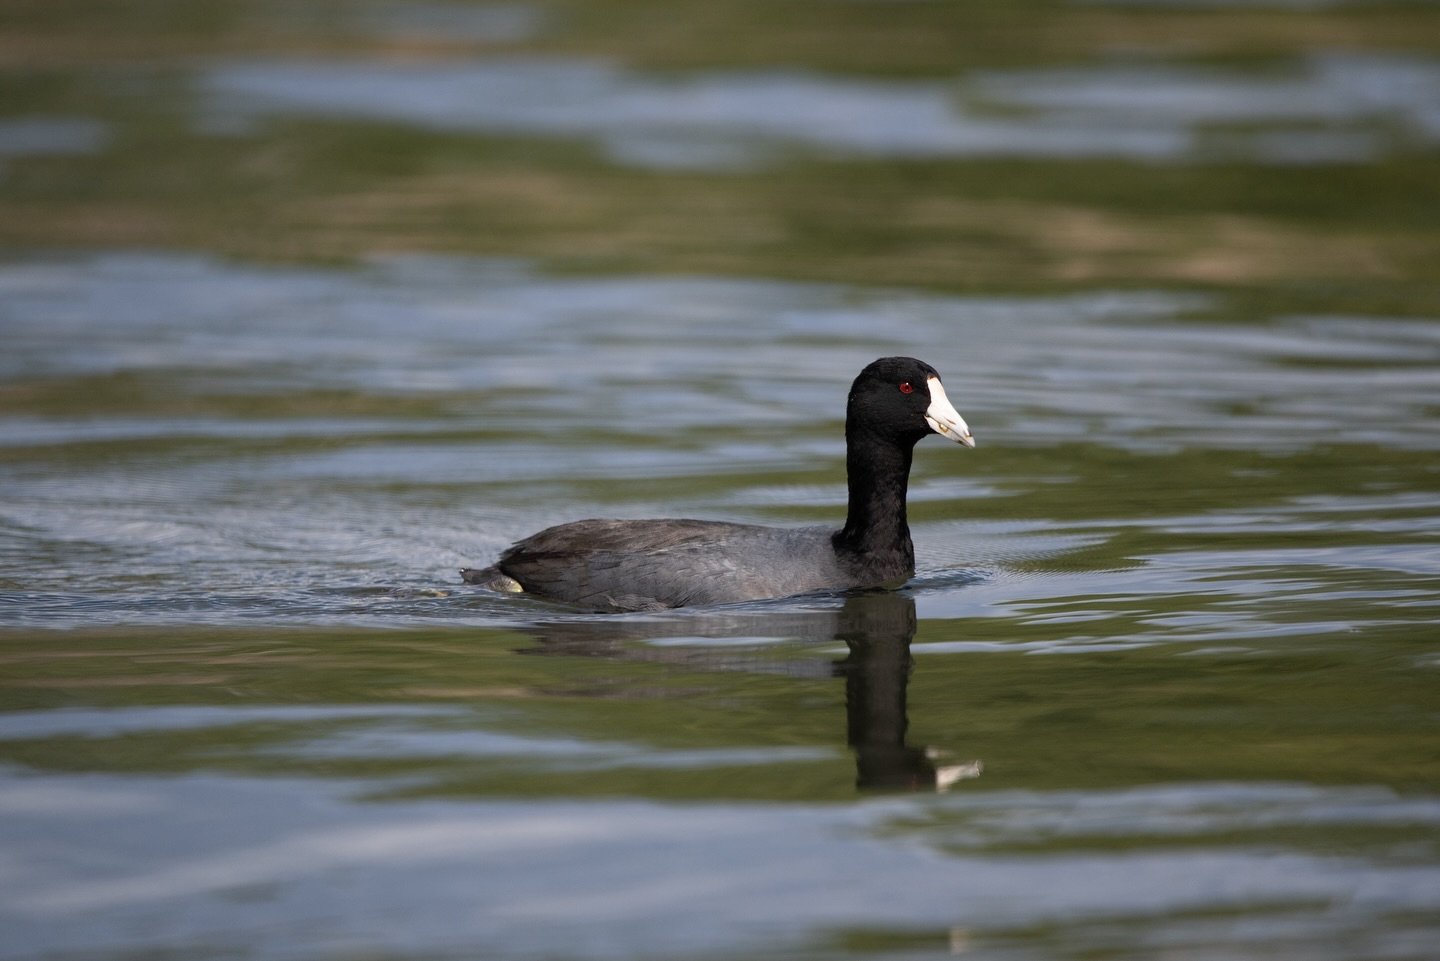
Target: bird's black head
[901, 399]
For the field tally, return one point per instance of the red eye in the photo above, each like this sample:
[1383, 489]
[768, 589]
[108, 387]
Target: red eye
[906, 387]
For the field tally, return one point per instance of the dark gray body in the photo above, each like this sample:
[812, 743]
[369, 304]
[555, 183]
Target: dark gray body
[614, 565]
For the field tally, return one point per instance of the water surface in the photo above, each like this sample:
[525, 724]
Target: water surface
[252, 711]
[1326, 109]
[305, 306]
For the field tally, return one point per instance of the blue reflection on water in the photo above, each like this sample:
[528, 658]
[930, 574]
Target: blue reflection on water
[1327, 108]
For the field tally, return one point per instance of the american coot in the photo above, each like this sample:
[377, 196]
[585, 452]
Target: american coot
[631, 565]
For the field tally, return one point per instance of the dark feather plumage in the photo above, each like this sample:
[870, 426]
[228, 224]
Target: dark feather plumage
[626, 565]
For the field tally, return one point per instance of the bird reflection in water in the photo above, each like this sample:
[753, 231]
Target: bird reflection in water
[876, 628]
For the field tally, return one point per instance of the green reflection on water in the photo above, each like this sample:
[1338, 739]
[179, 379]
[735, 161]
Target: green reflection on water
[1308, 712]
[1346, 236]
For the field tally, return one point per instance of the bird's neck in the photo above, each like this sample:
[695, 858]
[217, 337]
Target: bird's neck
[878, 471]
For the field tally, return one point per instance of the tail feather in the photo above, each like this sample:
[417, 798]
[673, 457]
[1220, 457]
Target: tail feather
[491, 578]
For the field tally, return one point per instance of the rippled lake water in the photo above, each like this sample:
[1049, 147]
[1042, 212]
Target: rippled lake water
[305, 306]
[1332, 108]
[1164, 681]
